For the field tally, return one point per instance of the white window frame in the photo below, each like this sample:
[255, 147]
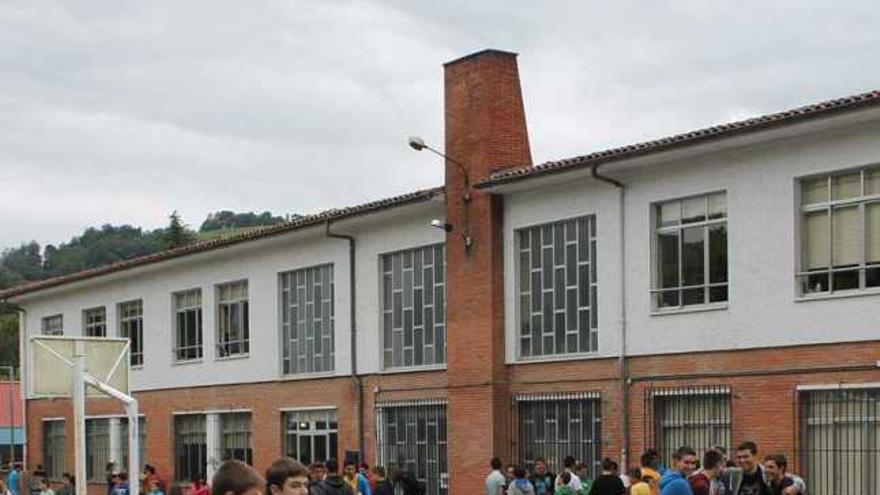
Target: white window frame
[128, 322]
[225, 341]
[95, 321]
[49, 327]
[302, 362]
[55, 469]
[197, 333]
[308, 426]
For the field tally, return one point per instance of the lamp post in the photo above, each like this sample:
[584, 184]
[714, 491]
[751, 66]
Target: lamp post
[10, 396]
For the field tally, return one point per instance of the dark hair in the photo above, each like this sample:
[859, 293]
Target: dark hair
[568, 462]
[495, 463]
[648, 458]
[123, 475]
[721, 449]
[540, 459]
[332, 466]
[235, 477]
[149, 468]
[364, 466]
[378, 471]
[635, 474]
[175, 489]
[283, 468]
[609, 464]
[565, 476]
[69, 477]
[750, 446]
[519, 472]
[779, 459]
[712, 459]
[683, 451]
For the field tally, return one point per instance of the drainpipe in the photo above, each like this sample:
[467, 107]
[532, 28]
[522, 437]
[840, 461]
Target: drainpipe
[22, 363]
[358, 383]
[621, 360]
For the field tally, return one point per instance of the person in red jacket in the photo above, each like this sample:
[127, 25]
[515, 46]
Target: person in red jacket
[713, 466]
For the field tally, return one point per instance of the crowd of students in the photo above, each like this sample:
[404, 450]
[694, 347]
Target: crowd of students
[748, 474]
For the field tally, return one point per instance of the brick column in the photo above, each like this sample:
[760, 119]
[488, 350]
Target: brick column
[485, 131]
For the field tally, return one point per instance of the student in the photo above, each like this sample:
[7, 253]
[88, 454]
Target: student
[355, 480]
[780, 482]
[713, 468]
[110, 470]
[495, 479]
[674, 482]
[332, 484]
[148, 475]
[563, 484]
[367, 473]
[583, 472]
[541, 478]
[13, 480]
[200, 487]
[43, 487]
[383, 485]
[68, 485]
[753, 482]
[4, 490]
[236, 478]
[120, 484]
[520, 484]
[155, 488]
[641, 484]
[650, 468]
[609, 482]
[568, 463]
[408, 483]
[287, 476]
[316, 474]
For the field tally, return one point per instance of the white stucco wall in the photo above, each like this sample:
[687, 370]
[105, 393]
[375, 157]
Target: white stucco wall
[764, 308]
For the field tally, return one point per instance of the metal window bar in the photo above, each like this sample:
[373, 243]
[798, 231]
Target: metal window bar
[414, 307]
[698, 417]
[188, 306]
[131, 326]
[839, 448]
[235, 437]
[97, 448]
[412, 436]
[557, 287]
[54, 449]
[310, 436]
[307, 320]
[95, 322]
[554, 426]
[123, 439]
[190, 447]
[233, 332]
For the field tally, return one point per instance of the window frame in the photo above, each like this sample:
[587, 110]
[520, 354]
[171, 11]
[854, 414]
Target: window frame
[329, 435]
[285, 302]
[58, 437]
[235, 426]
[89, 324]
[436, 409]
[197, 431]
[136, 352]
[96, 460]
[221, 345]
[45, 325]
[199, 332]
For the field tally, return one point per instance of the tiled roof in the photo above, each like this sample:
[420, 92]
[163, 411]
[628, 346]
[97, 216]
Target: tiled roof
[823, 109]
[201, 247]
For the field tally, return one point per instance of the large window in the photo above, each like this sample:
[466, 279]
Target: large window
[840, 441]
[95, 322]
[190, 447]
[310, 436]
[690, 252]
[235, 437]
[307, 323]
[557, 288]
[698, 417]
[412, 436]
[131, 326]
[188, 311]
[123, 441]
[414, 307]
[97, 449]
[840, 232]
[53, 325]
[233, 329]
[53, 448]
[553, 426]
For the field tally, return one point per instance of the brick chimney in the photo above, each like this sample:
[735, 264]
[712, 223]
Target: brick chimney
[485, 132]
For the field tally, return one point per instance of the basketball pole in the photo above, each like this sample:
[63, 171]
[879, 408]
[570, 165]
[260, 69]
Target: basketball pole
[79, 415]
[131, 408]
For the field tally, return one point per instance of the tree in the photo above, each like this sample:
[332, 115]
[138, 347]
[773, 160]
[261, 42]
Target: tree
[9, 339]
[177, 235]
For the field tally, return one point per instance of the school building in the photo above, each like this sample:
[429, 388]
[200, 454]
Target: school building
[704, 288]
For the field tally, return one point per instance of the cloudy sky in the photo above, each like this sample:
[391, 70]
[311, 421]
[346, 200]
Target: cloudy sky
[120, 112]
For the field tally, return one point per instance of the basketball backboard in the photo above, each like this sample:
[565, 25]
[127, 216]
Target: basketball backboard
[52, 364]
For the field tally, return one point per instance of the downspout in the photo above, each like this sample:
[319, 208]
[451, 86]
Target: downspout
[22, 386]
[621, 360]
[358, 383]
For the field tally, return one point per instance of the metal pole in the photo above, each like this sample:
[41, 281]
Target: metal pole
[131, 409]
[11, 396]
[79, 416]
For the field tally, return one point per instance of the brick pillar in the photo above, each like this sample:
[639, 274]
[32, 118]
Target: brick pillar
[485, 131]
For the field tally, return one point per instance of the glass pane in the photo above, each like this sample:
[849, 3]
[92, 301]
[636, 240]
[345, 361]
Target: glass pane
[692, 256]
[718, 205]
[845, 280]
[718, 253]
[668, 299]
[718, 294]
[667, 252]
[872, 232]
[815, 283]
[846, 236]
[814, 190]
[816, 242]
[872, 277]
[693, 296]
[846, 186]
[872, 182]
[669, 214]
[693, 210]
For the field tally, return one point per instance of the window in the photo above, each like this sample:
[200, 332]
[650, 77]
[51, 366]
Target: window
[698, 417]
[53, 325]
[235, 437]
[557, 288]
[412, 437]
[53, 448]
[310, 436]
[95, 322]
[233, 330]
[97, 449]
[414, 307]
[840, 434]
[131, 326]
[188, 308]
[123, 440]
[307, 325]
[553, 426]
[840, 232]
[190, 447]
[690, 251]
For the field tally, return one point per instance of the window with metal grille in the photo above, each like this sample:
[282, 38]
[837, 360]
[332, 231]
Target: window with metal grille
[414, 307]
[235, 437]
[307, 323]
[53, 325]
[840, 441]
[190, 447]
[412, 436]
[123, 440]
[53, 448]
[557, 288]
[310, 436]
[554, 426]
[131, 326]
[690, 251]
[233, 329]
[840, 232]
[697, 417]
[188, 311]
[97, 449]
[95, 322]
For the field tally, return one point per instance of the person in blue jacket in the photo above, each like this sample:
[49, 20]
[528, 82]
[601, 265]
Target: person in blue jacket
[675, 481]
